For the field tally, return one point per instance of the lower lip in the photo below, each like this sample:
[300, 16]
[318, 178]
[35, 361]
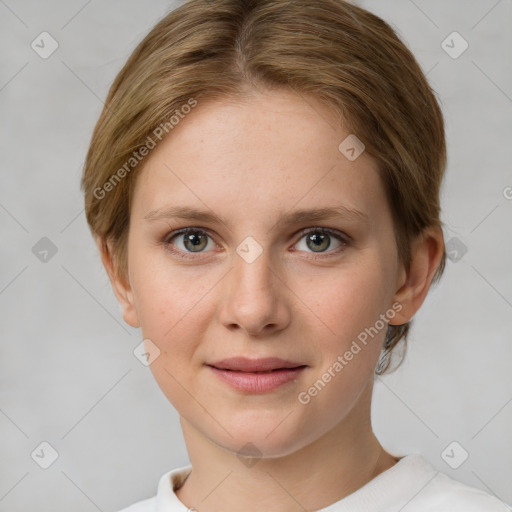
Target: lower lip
[258, 382]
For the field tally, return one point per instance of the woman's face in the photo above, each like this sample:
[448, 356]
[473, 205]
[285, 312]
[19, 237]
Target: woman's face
[256, 279]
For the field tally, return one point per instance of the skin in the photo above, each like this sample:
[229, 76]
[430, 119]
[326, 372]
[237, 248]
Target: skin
[250, 161]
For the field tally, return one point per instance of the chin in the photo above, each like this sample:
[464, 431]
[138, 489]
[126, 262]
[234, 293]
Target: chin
[266, 439]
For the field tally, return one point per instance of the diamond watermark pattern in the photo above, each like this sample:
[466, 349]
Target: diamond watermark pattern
[44, 250]
[351, 147]
[146, 352]
[249, 249]
[455, 249]
[44, 455]
[249, 454]
[454, 455]
[454, 45]
[44, 45]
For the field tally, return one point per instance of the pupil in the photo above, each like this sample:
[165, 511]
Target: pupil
[318, 240]
[193, 239]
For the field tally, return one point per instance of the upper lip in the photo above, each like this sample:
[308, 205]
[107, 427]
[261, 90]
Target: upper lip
[244, 364]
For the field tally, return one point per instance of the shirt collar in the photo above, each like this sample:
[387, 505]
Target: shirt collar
[412, 471]
[166, 499]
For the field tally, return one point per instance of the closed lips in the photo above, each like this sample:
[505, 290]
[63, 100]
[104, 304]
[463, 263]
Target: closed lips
[260, 371]
[254, 376]
[265, 365]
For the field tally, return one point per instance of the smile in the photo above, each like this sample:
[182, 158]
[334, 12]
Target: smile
[256, 376]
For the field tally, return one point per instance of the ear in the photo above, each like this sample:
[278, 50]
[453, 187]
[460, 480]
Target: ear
[120, 284]
[426, 253]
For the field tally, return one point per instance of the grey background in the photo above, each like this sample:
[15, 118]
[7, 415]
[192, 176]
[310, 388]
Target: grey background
[67, 369]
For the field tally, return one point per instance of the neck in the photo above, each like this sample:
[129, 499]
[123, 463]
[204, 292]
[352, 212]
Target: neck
[312, 477]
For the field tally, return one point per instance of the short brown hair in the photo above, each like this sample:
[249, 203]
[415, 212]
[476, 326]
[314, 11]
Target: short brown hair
[337, 52]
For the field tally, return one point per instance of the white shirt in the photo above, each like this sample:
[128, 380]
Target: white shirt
[411, 485]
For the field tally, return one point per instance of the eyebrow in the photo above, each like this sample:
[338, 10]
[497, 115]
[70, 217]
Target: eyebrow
[295, 217]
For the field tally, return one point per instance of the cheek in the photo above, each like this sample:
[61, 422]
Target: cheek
[350, 305]
[349, 299]
[172, 316]
[165, 297]
[173, 310]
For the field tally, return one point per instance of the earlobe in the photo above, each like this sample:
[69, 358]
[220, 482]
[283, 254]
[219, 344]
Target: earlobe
[426, 253]
[120, 284]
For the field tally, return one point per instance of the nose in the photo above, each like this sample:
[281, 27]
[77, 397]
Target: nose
[255, 297]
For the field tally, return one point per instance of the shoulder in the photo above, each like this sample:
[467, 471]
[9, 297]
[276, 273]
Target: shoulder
[148, 505]
[166, 498]
[440, 493]
[446, 494]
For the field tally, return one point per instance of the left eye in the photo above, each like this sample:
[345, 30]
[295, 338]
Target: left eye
[319, 240]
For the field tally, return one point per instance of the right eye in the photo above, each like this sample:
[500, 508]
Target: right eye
[189, 241]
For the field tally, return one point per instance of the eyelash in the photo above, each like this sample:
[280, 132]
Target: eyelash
[344, 239]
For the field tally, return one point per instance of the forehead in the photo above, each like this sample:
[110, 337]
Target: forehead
[265, 152]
